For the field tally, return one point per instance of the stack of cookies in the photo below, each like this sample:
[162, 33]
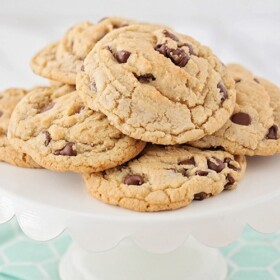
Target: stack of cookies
[151, 118]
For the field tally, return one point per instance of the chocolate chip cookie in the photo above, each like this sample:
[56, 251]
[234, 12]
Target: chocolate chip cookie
[52, 125]
[164, 178]
[157, 85]
[8, 100]
[61, 60]
[253, 129]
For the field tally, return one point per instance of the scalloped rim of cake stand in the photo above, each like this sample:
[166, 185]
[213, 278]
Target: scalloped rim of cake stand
[46, 203]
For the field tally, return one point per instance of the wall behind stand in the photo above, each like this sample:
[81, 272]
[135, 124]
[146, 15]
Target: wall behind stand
[245, 31]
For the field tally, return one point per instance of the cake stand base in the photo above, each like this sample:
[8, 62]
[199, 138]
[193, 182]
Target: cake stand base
[128, 262]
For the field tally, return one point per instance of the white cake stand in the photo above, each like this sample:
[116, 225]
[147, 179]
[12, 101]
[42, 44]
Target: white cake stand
[111, 243]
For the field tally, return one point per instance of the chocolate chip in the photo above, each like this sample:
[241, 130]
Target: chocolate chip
[223, 91]
[46, 108]
[122, 56]
[201, 173]
[230, 180]
[145, 78]
[256, 80]
[178, 56]
[161, 48]
[1, 113]
[201, 196]
[83, 68]
[189, 161]
[241, 119]
[227, 186]
[272, 132]
[190, 47]
[215, 164]
[170, 35]
[228, 161]
[134, 180]
[48, 138]
[237, 81]
[67, 150]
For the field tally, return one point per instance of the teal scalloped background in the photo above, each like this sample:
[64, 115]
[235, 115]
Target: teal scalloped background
[253, 256]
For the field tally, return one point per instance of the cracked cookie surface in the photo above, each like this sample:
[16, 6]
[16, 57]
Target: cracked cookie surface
[53, 126]
[8, 100]
[253, 128]
[60, 61]
[165, 178]
[157, 85]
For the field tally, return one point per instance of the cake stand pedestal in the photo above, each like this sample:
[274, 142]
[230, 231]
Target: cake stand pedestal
[114, 243]
[127, 261]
